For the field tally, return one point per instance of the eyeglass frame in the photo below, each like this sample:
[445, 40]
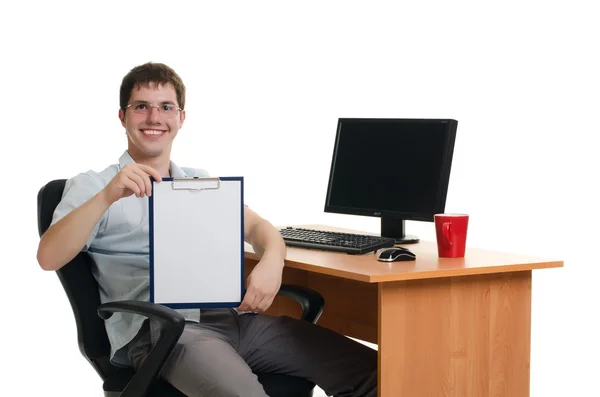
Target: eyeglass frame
[151, 106]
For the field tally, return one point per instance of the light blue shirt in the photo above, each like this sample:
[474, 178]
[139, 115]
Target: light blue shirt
[119, 245]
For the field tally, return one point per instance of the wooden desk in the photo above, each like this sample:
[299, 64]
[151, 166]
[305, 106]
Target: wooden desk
[444, 327]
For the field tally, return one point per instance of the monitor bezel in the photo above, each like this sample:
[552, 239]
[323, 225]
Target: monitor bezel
[444, 177]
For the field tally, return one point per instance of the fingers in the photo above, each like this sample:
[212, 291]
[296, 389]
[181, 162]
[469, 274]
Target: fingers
[132, 179]
[265, 304]
[248, 301]
[131, 185]
[147, 187]
[142, 181]
[140, 175]
[255, 302]
[151, 171]
[146, 172]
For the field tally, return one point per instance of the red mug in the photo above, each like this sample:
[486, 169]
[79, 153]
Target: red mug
[451, 233]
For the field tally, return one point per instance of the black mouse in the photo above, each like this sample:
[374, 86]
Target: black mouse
[395, 254]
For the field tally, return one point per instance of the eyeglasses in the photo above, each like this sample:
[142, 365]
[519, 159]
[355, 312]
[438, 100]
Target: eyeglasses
[167, 109]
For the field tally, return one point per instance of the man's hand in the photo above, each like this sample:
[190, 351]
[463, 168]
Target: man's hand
[263, 285]
[134, 178]
[65, 239]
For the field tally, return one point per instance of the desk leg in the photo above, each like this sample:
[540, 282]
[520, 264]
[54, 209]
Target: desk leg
[455, 337]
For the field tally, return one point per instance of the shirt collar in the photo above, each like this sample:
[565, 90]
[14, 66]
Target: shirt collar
[175, 171]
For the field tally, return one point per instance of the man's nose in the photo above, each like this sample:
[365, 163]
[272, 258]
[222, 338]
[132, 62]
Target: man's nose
[154, 114]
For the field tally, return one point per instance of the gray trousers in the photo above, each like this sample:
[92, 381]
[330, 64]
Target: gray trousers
[219, 356]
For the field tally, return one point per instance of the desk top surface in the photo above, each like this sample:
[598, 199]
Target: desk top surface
[366, 268]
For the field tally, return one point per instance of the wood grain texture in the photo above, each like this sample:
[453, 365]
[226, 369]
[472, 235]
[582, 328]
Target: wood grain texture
[428, 265]
[456, 337]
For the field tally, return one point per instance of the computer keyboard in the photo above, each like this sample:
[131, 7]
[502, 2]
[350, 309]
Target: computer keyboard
[349, 243]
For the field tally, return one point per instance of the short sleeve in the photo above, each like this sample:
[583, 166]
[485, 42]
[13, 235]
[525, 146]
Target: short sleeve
[78, 191]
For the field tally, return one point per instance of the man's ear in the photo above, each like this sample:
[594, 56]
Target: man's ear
[122, 117]
[182, 118]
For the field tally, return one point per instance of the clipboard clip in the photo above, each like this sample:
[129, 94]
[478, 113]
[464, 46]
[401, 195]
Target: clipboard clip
[195, 183]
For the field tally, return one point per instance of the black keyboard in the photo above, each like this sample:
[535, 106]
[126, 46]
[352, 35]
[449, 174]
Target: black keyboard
[349, 243]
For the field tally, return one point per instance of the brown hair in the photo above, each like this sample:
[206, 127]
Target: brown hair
[148, 73]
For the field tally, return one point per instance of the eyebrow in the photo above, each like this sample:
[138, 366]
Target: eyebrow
[162, 103]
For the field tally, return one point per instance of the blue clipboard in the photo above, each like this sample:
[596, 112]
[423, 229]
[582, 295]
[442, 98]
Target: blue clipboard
[197, 242]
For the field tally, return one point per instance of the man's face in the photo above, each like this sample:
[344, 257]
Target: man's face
[150, 130]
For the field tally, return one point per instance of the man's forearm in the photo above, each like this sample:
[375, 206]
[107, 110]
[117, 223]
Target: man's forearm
[266, 241]
[65, 239]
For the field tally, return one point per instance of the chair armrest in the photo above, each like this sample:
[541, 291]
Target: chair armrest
[311, 301]
[171, 325]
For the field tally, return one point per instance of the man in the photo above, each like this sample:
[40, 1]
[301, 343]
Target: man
[106, 214]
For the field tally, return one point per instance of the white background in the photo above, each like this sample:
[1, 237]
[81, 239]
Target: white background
[267, 81]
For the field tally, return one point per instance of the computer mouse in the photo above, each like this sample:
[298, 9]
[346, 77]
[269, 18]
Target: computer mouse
[395, 254]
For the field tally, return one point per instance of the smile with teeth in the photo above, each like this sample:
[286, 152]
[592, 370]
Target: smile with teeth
[153, 132]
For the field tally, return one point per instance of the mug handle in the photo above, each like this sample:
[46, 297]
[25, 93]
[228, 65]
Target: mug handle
[446, 232]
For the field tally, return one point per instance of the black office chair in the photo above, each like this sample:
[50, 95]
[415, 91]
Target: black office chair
[82, 290]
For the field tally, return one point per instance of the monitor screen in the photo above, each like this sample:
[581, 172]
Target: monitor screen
[396, 169]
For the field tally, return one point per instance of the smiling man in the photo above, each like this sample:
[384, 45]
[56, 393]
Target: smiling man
[106, 214]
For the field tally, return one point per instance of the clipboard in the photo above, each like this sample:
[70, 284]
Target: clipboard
[197, 242]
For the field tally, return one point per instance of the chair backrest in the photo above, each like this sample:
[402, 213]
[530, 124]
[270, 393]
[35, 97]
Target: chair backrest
[81, 288]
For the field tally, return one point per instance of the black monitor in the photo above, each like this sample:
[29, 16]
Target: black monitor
[395, 169]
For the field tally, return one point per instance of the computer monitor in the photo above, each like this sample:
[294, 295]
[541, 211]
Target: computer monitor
[395, 169]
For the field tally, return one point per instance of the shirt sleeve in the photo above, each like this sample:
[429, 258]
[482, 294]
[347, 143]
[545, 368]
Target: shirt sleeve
[78, 191]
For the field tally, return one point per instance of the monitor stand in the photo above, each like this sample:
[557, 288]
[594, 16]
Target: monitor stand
[394, 227]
